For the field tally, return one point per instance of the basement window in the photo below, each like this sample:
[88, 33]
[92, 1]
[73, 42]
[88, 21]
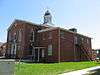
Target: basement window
[50, 50]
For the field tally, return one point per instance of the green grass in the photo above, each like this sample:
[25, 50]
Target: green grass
[51, 68]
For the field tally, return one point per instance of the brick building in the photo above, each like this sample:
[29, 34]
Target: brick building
[2, 49]
[46, 43]
[96, 54]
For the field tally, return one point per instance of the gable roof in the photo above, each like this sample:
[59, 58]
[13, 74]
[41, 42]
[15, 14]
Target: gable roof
[43, 30]
[53, 28]
[17, 20]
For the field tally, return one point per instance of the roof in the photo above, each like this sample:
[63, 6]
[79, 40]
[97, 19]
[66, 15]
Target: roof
[47, 29]
[75, 33]
[47, 13]
[53, 28]
[23, 21]
[17, 20]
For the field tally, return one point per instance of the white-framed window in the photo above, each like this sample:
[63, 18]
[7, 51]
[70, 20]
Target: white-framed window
[62, 34]
[82, 39]
[76, 40]
[33, 33]
[87, 41]
[20, 35]
[9, 36]
[50, 35]
[12, 48]
[50, 50]
[42, 53]
[15, 48]
[43, 36]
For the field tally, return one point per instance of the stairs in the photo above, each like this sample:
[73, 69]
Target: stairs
[85, 52]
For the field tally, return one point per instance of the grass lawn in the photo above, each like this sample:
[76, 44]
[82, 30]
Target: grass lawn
[51, 68]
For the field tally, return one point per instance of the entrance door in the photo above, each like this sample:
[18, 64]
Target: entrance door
[39, 55]
[36, 55]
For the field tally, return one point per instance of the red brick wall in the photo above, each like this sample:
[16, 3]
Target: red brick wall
[25, 41]
[67, 46]
[68, 50]
[44, 41]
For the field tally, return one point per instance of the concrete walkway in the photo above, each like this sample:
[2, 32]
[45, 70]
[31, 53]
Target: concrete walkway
[81, 72]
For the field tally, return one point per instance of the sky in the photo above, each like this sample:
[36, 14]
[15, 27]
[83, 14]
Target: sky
[81, 14]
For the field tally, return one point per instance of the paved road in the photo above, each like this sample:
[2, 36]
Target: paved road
[81, 72]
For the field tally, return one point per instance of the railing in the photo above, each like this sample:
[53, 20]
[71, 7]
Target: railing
[84, 50]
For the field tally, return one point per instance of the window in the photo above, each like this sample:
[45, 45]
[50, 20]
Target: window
[12, 48]
[42, 53]
[62, 34]
[82, 39]
[15, 48]
[43, 36]
[50, 35]
[20, 35]
[87, 41]
[49, 50]
[9, 36]
[76, 41]
[33, 36]
[14, 37]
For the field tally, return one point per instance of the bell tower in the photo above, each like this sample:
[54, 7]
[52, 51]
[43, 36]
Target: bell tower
[47, 18]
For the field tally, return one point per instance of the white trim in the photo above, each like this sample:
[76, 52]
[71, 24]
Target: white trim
[47, 29]
[53, 28]
[43, 26]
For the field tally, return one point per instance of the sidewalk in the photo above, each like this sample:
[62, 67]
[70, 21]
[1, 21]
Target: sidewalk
[81, 72]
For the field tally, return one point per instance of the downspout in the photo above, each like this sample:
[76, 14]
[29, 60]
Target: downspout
[59, 45]
[74, 48]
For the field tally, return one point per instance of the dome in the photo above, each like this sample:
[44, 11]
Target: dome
[47, 13]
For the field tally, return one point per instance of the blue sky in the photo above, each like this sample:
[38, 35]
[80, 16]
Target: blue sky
[81, 14]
